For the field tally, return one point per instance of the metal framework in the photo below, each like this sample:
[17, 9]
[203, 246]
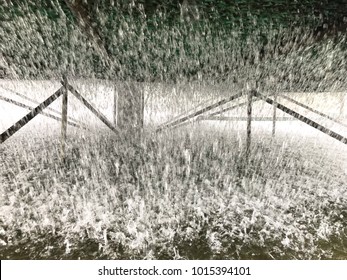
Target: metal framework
[313, 110]
[22, 105]
[304, 119]
[198, 115]
[253, 96]
[27, 118]
[89, 106]
[35, 102]
[62, 91]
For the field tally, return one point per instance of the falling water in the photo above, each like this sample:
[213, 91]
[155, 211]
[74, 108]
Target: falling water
[184, 192]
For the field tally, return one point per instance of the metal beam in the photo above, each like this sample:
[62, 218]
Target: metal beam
[312, 110]
[229, 108]
[250, 95]
[203, 103]
[64, 121]
[90, 107]
[36, 103]
[23, 121]
[19, 104]
[199, 112]
[304, 119]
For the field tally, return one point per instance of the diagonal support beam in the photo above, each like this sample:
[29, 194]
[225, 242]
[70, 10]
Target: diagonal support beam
[27, 118]
[19, 104]
[230, 108]
[313, 110]
[90, 107]
[187, 112]
[36, 103]
[304, 119]
[199, 112]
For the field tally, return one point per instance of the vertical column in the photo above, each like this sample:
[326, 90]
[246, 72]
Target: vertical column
[274, 115]
[130, 107]
[64, 119]
[249, 123]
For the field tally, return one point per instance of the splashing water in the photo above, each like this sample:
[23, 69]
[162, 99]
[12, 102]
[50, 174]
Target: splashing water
[186, 192]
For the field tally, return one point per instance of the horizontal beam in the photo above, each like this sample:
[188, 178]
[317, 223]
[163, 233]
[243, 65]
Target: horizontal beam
[98, 114]
[222, 118]
[19, 104]
[312, 110]
[23, 121]
[304, 119]
[199, 112]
